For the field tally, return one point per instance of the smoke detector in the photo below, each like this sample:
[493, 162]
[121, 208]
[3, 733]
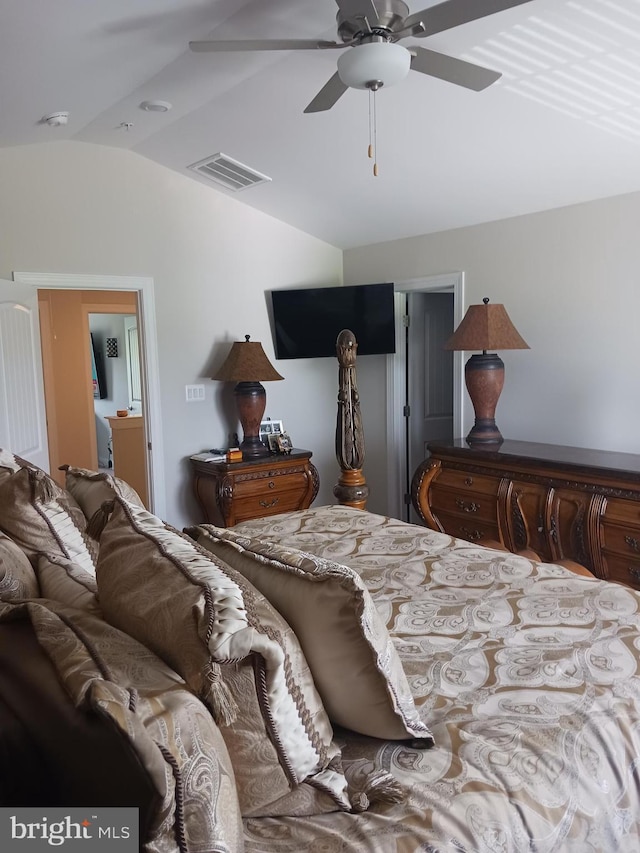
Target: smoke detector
[56, 119]
[155, 106]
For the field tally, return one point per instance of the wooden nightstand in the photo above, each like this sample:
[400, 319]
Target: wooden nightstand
[230, 492]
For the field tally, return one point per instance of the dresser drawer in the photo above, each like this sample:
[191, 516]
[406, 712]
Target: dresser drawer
[465, 481]
[475, 506]
[624, 512]
[621, 540]
[471, 529]
[623, 569]
[269, 483]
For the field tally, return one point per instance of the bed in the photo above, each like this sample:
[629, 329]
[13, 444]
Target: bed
[526, 673]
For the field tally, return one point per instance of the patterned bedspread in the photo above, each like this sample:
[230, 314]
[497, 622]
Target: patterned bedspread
[527, 675]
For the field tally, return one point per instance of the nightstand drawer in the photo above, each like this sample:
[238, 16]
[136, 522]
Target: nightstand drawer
[269, 483]
[257, 506]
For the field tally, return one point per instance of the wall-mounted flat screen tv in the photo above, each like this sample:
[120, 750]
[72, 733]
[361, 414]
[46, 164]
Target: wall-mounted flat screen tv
[306, 322]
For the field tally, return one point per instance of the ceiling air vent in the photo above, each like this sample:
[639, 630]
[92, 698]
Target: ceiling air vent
[228, 172]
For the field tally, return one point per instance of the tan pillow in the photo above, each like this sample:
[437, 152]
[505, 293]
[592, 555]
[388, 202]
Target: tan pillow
[17, 578]
[92, 488]
[10, 463]
[233, 649]
[355, 665]
[35, 513]
[61, 580]
[176, 740]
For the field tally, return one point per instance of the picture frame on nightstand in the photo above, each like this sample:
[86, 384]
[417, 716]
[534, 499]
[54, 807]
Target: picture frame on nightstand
[283, 443]
[269, 428]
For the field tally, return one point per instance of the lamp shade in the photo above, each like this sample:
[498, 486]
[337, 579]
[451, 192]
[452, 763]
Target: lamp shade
[247, 362]
[248, 366]
[486, 327]
[376, 62]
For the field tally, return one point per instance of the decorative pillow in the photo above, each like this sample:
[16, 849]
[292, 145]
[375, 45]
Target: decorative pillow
[174, 736]
[92, 488]
[233, 649]
[17, 578]
[354, 663]
[61, 580]
[10, 463]
[35, 513]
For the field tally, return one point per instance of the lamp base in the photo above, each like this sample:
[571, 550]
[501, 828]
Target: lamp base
[484, 377]
[484, 431]
[251, 400]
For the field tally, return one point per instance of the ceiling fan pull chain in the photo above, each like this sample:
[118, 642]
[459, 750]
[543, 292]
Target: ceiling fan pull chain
[375, 136]
[370, 149]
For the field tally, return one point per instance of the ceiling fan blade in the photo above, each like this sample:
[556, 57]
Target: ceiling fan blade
[328, 95]
[259, 44]
[453, 13]
[358, 9]
[452, 70]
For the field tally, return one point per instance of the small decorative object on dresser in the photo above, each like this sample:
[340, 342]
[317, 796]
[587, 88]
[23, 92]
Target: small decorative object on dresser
[563, 503]
[283, 443]
[230, 492]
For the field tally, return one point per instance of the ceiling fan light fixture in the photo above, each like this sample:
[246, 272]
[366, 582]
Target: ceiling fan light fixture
[376, 62]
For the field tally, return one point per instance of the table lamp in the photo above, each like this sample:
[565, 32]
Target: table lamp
[248, 365]
[485, 327]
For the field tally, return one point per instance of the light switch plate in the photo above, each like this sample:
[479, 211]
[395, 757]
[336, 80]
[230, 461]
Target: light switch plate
[194, 393]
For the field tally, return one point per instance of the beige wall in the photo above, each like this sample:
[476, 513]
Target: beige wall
[69, 207]
[569, 280]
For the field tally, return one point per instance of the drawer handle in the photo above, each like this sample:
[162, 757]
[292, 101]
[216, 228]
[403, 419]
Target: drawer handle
[632, 543]
[472, 535]
[467, 506]
[272, 485]
[634, 571]
[468, 481]
[267, 504]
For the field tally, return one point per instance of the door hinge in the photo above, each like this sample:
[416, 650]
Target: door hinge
[407, 500]
[406, 411]
[406, 321]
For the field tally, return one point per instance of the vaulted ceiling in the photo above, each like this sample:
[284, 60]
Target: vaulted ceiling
[561, 125]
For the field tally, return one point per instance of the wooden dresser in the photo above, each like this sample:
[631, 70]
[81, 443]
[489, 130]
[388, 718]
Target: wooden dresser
[561, 502]
[230, 492]
[130, 452]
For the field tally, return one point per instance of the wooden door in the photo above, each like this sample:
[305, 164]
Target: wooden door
[23, 426]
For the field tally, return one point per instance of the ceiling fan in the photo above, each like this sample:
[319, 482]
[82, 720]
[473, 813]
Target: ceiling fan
[371, 29]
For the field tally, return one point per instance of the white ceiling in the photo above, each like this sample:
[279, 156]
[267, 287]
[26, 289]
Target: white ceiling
[562, 125]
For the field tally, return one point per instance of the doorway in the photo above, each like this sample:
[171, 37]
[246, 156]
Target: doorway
[428, 408]
[406, 385]
[143, 289]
